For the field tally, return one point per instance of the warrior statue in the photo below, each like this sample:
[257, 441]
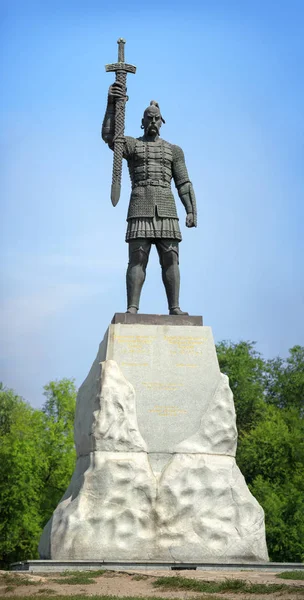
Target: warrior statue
[152, 216]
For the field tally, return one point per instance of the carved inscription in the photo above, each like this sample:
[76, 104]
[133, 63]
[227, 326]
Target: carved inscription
[167, 411]
[135, 364]
[158, 385]
[134, 343]
[185, 345]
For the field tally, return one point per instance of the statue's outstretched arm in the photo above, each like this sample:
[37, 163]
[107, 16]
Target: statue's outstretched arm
[184, 186]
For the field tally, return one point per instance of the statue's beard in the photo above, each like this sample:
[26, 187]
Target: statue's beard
[152, 130]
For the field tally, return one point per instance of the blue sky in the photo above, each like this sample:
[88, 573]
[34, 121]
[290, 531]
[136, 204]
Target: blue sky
[228, 76]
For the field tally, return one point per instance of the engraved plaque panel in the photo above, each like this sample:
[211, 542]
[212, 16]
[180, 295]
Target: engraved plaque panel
[174, 371]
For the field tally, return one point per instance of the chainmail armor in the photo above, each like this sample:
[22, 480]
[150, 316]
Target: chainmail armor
[152, 165]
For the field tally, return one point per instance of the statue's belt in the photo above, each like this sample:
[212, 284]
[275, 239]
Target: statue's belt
[155, 182]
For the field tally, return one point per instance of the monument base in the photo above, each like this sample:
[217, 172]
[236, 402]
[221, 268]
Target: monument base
[56, 566]
[156, 478]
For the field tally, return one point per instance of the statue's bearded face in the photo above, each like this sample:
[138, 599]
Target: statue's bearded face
[152, 121]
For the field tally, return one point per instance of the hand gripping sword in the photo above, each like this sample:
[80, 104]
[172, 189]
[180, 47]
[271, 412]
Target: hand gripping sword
[120, 69]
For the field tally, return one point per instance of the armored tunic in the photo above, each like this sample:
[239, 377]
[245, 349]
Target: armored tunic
[152, 210]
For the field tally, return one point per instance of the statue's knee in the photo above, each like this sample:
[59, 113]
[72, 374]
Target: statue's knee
[169, 258]
[139, 257]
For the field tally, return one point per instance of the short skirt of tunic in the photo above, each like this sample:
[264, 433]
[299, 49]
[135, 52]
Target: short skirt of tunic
[153, 227]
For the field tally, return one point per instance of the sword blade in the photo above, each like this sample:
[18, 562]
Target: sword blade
[120, 110]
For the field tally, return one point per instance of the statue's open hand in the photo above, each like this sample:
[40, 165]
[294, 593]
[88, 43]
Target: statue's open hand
[117, 91]
[189, 220]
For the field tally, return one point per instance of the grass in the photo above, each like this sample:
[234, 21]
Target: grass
[9, 588]
[291, 575]
[212, 587]
[12, 580]
[15, 580]
[79, 577]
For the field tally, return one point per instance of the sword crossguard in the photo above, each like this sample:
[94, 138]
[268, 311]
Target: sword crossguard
[121, 65]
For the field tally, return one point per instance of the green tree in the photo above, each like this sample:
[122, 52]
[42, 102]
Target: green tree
[283, 504]
[8, 402]
[21, 477]
[274, 448]
[245, 369]
[37, 458]
[269, 405]
[59, 450]
[284, 380]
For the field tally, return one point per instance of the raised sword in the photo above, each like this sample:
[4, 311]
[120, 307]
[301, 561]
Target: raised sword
[120, 69]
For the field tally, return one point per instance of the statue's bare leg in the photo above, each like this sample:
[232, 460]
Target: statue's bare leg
[139, 250]
[168, 257]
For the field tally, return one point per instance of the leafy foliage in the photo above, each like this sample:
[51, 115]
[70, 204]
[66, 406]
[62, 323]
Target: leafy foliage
[269, 399]
[21, 476]
[274, 448]
[37, 458]
[284, 381]
[245, 369]
[284, 509]
[59, 451]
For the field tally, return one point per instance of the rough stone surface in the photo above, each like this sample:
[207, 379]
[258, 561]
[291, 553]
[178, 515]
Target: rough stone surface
[205, 510]
[112, 425]
[106, 511]
[185, 500]
[217, 433]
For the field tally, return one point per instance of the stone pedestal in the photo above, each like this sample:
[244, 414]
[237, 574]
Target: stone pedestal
[155, 434]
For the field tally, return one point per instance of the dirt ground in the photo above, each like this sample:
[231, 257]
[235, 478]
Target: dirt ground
[140, 583]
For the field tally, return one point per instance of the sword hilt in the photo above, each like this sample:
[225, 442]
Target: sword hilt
[121, 50]
[120, 65]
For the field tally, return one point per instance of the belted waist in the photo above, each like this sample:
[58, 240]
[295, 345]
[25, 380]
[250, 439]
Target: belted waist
[155, 182]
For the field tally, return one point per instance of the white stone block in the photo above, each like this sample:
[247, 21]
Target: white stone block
[205, 510]
[165, 487]
[106, 513]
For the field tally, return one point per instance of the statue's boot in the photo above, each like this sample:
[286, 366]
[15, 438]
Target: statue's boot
[177, 311]
[133, 310]
[136, 275]
[171, 280]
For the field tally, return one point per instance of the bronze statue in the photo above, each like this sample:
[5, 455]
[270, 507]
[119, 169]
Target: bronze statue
[152, 216]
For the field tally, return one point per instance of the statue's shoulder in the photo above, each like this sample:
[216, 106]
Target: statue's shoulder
[129, 146]
[166, 144]
[177, 152]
